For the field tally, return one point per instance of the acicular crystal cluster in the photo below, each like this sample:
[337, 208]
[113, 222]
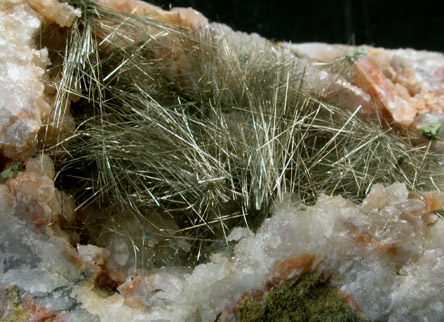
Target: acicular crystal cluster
[158, 167]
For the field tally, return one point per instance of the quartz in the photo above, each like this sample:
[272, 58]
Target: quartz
[406, 83]
[385, 255]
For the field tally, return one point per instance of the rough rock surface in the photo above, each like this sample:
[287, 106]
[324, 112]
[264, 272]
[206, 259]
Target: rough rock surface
[386, 255]
[407, 84]
[22, 102]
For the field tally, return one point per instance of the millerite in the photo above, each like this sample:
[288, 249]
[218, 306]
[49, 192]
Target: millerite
[192, 131]
[158, 166]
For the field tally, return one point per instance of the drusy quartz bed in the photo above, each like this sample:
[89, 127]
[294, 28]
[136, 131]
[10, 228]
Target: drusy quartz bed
[156, 166]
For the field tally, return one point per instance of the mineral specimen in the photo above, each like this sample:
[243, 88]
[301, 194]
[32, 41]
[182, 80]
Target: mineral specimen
[405, 83]
[159, 167]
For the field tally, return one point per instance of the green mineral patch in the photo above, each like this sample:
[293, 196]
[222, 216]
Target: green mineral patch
[356, 55]
[11, 171]
[306, 300]
[431, 132]
[13, 301]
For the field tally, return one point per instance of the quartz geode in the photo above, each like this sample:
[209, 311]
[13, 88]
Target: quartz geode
[365, 252]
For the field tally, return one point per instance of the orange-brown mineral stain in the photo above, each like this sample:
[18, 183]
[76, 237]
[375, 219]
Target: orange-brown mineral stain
[370, 77]
[362, 237]
[431, 201]
[294, 267]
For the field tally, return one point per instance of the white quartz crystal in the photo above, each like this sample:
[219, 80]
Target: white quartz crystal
[55, 11]
[381, 253]
[37, 262]
[22, 104]
[386, 254]
[409, 84]
[22, 66]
